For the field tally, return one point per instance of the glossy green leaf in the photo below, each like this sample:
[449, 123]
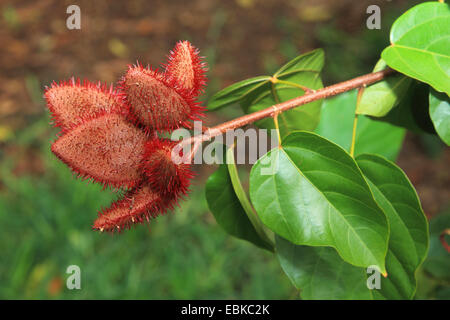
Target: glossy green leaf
[408, 242]
[440, 114]
[320, 274]
[336, 124]
[314, 194]
[227, 209]
[413, 112]
[236, 92]
[303, 71]
[420, 45]
[379, 98]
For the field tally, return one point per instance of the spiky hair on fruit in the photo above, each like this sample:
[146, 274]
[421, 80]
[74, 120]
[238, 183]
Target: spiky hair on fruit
[186, 67]
[71, 101]
[105, 148]
[156, 101]
[137, 206]
[162, 172]
[111, 136]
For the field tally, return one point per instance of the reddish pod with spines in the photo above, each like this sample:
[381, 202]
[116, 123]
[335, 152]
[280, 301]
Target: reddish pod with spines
[137, 206]
[111, 137]
[186, 67]
[156, 102]
[105, 148]
[69, 102]
[164, 167]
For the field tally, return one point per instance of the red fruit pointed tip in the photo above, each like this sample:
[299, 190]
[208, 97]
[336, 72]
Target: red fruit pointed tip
[137, 206]
[105, 149]
[71, 101]
[186, 67]
[157, 103]
[163, 174]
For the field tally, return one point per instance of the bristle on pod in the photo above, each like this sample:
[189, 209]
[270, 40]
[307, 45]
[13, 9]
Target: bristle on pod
[155, 102]
[71, 101]
[186, 67]
[137, 206]
[105, 148]
[164, 169]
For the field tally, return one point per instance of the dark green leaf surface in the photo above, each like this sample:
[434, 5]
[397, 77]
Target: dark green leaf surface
[420, 45]
[236, 92]
[227, 209]
[314, 194]
[372, 136]
[440, 114]
[379, 98]
[413, 112]
[408, 242]
[319, 273]
[437, 263]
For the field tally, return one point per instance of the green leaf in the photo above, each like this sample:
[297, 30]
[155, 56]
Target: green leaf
[242, 197]
[440, 114]
[314, 194]
[379, 98]
[227, 209]
[303, 71]
[336, 124]
[408, 242]
[420, 45]
[310, 61]
[437, 263]
[412, 113]
[319, 273]
[236, 92]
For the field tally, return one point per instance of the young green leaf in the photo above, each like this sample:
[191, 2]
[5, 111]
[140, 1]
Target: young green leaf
[440, 114]
[236, 92]
[292, 80]
[336, 124]
[420, 45]
[408, 241]
[313, 194]
[227, 209]
[379, 98]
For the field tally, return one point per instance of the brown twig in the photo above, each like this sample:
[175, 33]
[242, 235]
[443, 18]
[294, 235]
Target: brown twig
[308, 97]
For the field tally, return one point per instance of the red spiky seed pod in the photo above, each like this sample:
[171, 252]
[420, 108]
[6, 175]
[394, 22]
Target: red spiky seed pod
[71, 101]
[155, 102]
[186, 67]
[106, 148]
[163, 173]
[137, 206]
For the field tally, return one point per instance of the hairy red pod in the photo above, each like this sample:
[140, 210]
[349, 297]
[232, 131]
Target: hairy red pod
[156, 101]
[106, 148]
[137, 206]
[164, 174]
[186, 67]
[71, 101]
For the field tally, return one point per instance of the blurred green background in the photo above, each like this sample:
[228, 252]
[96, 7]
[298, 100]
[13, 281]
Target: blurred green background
[46, 214]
